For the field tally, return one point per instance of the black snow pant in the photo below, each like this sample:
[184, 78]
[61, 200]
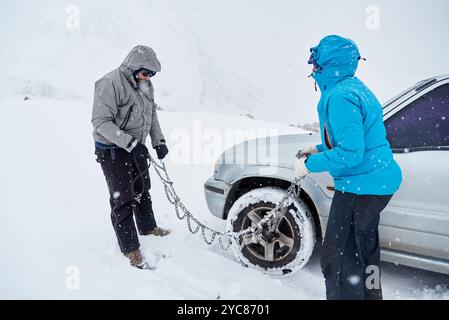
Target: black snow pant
[129, 183]
[350, 254]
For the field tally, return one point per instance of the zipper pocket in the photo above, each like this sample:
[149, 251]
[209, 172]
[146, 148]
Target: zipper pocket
[125, 121]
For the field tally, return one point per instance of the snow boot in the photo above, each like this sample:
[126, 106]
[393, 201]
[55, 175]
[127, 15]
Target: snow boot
[160, 232]
[136, 260]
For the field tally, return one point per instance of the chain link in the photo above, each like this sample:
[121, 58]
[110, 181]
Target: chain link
[224, 238]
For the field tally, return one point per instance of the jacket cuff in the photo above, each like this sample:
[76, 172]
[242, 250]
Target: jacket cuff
[305, 165]
[131, 144]
[158, 143]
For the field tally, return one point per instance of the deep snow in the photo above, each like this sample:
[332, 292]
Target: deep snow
[55, 215]
[228, 58]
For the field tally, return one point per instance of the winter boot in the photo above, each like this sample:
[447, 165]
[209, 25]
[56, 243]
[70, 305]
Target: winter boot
[158, 232]
[136, 260]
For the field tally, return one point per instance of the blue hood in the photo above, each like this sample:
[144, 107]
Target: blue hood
[338, 59]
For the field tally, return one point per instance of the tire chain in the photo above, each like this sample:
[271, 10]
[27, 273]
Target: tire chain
[224, 238]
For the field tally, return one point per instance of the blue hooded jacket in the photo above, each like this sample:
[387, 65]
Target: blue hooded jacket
[354, 146]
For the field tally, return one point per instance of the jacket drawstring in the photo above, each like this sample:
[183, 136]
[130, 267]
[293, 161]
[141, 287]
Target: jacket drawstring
[315, 81]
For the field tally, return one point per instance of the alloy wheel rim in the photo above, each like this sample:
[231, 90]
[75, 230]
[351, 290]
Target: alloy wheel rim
[268, 246]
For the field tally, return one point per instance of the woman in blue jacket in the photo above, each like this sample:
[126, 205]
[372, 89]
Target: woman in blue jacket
[357, 155]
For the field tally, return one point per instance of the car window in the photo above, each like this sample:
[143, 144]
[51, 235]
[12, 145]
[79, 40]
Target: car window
[416, 87]
[423, 124]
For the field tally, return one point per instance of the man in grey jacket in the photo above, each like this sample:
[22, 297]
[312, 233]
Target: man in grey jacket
[123, 115]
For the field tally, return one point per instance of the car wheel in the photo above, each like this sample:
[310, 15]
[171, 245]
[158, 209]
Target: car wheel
[280, 251]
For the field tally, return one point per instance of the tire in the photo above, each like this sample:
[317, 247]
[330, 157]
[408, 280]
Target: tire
[282, 252]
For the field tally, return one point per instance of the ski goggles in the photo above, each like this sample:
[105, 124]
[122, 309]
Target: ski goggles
[313, 61]
[146, 73]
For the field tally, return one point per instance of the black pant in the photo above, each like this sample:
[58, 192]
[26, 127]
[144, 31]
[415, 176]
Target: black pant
[129, 183]
[350, 254]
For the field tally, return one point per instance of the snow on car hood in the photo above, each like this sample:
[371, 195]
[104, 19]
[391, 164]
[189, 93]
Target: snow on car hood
[274, 151]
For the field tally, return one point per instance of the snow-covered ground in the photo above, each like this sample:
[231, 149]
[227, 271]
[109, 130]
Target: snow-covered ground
[221, 61]
[55, 220]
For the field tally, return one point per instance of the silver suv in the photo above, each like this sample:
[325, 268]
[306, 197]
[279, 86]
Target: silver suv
[414, 228]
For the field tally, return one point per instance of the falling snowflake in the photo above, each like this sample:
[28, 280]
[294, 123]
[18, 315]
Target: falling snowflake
[354, 280]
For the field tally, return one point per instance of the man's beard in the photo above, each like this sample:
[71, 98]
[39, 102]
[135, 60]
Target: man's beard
[144, 86]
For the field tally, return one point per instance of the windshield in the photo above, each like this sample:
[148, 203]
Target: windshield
[417, 86]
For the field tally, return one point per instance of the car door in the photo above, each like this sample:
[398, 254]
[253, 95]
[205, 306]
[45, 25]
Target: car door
[417, 218]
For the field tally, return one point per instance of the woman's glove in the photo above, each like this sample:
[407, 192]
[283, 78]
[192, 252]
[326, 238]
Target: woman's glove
[300, 167]
[307, 151]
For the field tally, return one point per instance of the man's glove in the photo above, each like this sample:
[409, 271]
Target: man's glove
[161, 151]
[300, 167]
[140, 151]
[307, 151]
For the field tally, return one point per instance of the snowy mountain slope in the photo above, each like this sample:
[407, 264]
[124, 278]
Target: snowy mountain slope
[55, 215]
[229, 57]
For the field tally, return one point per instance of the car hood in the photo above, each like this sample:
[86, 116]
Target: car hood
[277, 151]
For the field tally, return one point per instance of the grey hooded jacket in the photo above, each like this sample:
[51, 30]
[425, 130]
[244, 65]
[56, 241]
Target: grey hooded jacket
[121, 111]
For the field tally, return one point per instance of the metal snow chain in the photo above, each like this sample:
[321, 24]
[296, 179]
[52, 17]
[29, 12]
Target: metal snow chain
[224, 238]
